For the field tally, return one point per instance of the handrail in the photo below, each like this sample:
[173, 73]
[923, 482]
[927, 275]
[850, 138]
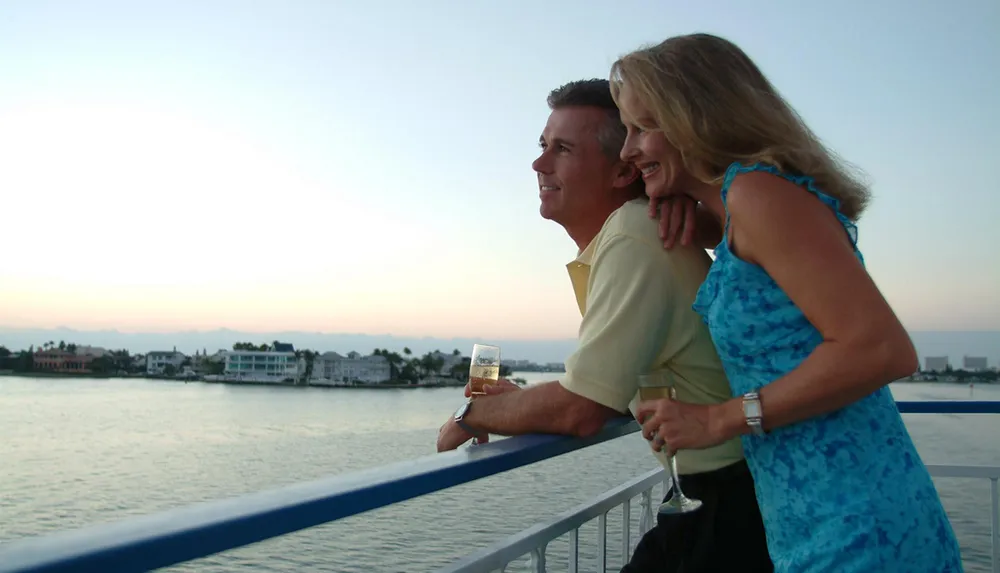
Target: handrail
[152, 541]
[503, 552]
[534, 541]
[949, 407]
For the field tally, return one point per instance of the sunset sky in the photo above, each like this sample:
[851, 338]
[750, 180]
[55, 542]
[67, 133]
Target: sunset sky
[365, 166]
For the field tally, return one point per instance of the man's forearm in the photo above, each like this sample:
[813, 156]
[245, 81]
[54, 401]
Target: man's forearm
[545, 408]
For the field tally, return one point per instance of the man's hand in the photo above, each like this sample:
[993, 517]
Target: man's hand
[502, 385]
[451, 436]
[678, 218]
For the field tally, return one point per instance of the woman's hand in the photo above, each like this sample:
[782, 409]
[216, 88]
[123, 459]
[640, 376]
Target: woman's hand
[677, 218]
[683, 220]
[681, 426]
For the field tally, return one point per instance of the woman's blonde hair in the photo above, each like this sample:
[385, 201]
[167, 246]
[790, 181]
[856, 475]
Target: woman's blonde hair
[715, 106]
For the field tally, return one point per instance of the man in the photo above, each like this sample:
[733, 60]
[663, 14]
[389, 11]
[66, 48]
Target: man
[635, 298]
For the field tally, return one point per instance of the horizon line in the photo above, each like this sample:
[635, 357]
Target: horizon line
[350, 333]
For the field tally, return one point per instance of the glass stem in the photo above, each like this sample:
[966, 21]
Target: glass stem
[675, 478]
[673, 459]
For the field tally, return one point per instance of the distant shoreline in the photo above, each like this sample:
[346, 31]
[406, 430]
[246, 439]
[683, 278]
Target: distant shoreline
[373, 386]
[362, 386]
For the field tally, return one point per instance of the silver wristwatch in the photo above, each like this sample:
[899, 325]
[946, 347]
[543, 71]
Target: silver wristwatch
[752, 412]
[460, 417]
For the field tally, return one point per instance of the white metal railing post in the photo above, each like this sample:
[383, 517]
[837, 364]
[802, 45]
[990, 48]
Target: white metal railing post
[538, 559]
[646, 512]
[626, 531]
[602, 542]
[574, 551]
[995, 526]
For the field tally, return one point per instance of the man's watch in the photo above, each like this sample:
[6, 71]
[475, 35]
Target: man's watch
[753, 413]
[460, 417]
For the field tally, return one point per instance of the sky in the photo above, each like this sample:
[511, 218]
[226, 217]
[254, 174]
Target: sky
[365, 167]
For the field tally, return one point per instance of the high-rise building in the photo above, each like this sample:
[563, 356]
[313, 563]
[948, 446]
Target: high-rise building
[936, 363]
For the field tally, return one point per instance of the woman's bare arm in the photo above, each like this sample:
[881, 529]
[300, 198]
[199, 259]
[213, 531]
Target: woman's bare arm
[799, 242]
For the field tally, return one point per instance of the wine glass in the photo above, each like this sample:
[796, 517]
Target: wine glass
[655, 386]
[484, 369]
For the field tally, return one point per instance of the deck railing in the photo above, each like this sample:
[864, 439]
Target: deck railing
[184, 534]
[535, 540]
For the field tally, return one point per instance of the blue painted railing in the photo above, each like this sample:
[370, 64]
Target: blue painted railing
[949, 407]
[163, 539]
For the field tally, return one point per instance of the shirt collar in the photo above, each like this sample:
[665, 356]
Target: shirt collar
[579, 274]
[586, 256]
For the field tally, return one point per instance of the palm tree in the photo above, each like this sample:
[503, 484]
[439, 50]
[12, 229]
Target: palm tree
[431, 363]
[395, 360]
[310, 356]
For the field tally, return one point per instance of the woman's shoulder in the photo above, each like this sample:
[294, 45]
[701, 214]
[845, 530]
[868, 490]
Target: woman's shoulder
[747, 179]
[763, 196]
[764, 193]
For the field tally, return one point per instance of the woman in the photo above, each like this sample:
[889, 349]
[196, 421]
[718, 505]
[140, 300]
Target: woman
[803, 332]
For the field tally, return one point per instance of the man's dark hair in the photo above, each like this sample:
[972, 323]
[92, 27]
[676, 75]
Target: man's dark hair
[593, 93]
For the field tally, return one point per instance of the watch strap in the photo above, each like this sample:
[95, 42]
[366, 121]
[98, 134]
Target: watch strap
[460, 417]
[753, 413]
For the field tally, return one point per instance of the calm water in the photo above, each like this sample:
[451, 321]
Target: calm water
[76, 452]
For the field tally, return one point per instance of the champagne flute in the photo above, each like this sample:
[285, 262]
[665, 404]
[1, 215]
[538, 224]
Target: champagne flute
[655, 386]
[484, 369]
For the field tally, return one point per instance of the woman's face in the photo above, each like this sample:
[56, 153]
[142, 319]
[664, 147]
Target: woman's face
[659, 162]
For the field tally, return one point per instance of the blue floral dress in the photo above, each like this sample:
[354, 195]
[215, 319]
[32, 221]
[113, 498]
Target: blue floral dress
[845, 491]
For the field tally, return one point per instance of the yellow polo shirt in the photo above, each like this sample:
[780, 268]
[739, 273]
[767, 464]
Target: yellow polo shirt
[635, 298]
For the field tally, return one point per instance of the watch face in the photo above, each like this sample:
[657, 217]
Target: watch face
[460, 413]
[751, 409]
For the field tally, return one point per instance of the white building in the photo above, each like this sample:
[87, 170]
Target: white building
[974, 363]
[157, 361]
[335, 369]
[450, 361]
[275, 365]
[936, 363]
[95, 351]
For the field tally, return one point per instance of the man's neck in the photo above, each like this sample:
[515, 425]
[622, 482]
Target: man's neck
[584, 232]
[582, 237]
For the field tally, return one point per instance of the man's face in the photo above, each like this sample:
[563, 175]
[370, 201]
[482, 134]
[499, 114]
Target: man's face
[574, 174]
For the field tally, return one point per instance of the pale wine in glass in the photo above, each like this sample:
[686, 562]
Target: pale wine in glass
[654, 387]
[484, 368]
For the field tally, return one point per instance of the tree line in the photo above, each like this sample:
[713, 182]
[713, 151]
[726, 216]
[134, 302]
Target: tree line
[404, 367]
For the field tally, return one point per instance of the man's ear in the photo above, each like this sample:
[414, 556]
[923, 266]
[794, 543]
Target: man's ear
[625, 175]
